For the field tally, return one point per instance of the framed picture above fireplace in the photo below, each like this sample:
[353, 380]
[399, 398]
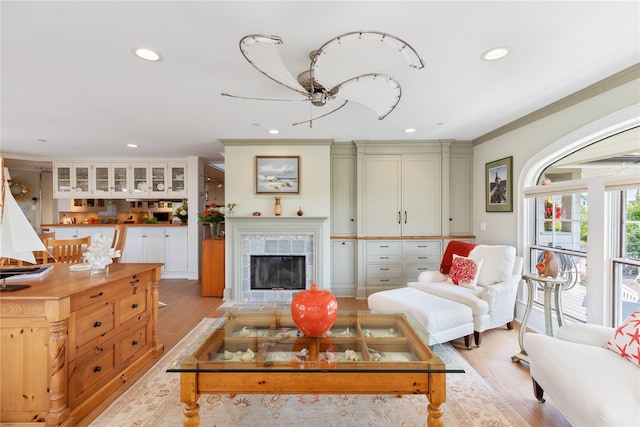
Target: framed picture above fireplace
[277, 174]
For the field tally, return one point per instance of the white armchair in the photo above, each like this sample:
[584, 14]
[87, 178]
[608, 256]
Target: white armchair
[492, 301]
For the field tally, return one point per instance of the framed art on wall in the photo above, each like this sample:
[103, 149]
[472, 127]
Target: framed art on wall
[277, 174]
[499, 185]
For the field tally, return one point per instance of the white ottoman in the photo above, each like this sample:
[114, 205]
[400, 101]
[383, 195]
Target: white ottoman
[445, 319]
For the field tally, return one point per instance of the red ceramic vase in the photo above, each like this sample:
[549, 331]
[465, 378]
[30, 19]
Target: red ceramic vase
[314, 311]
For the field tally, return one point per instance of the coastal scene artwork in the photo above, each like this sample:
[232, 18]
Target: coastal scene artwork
[499, 185]
[277, 174]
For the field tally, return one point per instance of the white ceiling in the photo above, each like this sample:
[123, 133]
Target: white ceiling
[69, 77]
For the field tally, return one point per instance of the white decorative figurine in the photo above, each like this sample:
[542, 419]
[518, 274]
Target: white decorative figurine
[100, 254]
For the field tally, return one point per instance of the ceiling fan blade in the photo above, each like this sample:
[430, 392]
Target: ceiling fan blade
[361, 52]
[260, 99]
[263, 52]
[310, 121]
[379, 92]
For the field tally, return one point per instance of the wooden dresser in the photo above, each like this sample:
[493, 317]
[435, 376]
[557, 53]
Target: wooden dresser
[72, 338]
[212, 267]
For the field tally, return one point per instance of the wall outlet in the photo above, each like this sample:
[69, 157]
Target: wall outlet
[483, 226]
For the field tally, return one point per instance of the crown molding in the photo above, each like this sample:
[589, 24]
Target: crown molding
[625, 76]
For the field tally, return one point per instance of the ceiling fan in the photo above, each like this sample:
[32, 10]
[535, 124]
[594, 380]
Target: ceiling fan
[346, 68]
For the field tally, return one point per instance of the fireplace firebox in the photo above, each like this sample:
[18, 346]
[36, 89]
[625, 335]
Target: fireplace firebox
[278, 272]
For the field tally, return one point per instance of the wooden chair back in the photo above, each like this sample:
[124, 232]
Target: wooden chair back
[119, 239]
[68, 251]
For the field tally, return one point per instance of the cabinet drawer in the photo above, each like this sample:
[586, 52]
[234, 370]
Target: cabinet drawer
[385, 281]
[103, 293]
[422, 259]
[88, 371]
[384, 270]
[384, 248]
[134, 304]
[130, 345]
[422, 248]
[92, 322]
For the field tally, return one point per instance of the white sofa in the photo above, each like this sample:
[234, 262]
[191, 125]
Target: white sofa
[492, 302]
[590, 384]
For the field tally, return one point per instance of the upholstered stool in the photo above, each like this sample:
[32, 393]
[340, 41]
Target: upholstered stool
[445, 319]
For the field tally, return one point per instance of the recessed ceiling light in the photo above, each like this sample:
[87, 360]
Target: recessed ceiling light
[274, 131]
[147, 54]
[495, 53]
[410, 130]
[132, 145]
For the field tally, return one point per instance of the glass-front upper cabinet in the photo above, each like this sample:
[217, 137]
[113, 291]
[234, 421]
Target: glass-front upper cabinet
[110, 180]
[140, 179]
[81, 176]
[120, 185]
[177, 180]
[158, 179]
[62, 180]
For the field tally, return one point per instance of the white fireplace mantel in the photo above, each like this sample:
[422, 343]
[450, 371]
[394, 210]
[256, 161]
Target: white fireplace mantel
[238, 226]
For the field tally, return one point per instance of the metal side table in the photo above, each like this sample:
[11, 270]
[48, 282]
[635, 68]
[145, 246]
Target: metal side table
[551, 285]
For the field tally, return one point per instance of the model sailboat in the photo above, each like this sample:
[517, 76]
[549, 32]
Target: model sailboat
[18, 239]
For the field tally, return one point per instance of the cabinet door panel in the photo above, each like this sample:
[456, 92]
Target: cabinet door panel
[381, 204]
[342, 196]
[421, 206]
[460, 195]
[154, 244]
[176, 249]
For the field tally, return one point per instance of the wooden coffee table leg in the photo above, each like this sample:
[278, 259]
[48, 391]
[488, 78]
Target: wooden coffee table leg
[436, 396]
[189, 393]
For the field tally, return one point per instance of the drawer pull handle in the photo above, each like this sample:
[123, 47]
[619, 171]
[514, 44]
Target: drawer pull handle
[422, 246]
[97, 324]
[423, 257]
[97, 369]
[97, 295]
[422, 268]
[384, 257]
[383, 246]
[134, 305]
[384, 280]
[133, 282]
[384, 268]
[134, 342]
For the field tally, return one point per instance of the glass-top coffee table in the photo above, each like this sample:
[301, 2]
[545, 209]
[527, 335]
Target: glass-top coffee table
[364, 352]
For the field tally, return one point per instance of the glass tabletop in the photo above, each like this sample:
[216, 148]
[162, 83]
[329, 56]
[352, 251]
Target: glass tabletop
[358, 341]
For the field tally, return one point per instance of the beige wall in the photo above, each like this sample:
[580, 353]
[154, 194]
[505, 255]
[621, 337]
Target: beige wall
[315, 177]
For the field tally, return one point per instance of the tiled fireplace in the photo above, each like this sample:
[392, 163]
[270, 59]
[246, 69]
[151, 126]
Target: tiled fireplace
[281, 237]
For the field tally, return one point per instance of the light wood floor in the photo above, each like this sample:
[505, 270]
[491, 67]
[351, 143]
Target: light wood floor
[185, 308]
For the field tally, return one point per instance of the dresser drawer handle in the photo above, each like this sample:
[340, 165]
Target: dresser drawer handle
[134, 342]
[384, 280]
[97, 324]
[97, 295]
[422, 246]
[134, 305]
[383, 246]
[133, 282]
[423, 257]
[384, 268]
[383, 257]
[422, 268]
[97, 369]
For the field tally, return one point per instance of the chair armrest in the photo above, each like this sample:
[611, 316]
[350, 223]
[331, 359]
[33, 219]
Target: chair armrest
[432, 276]
[583, 333]
[494, 292]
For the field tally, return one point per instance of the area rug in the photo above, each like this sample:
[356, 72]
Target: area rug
[155, 401]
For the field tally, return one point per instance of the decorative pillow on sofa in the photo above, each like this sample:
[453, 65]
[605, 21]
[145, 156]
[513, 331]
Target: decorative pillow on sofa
[498, 261]
[626, 340]
[457, 247]
[464, 271]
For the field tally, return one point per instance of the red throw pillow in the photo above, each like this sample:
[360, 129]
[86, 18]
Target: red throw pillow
[626, 340]
[464, 271]
[457, 247]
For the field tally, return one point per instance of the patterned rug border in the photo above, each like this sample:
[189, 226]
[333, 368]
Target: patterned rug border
[471, 400]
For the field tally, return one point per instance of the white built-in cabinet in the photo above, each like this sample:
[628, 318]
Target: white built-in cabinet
[119, 179]
[401, 195]
[72, 232]
[343, 267]
[460, 195]
[168, 245]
